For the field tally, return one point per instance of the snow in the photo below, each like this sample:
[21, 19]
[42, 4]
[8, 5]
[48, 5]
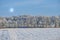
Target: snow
[30, 34]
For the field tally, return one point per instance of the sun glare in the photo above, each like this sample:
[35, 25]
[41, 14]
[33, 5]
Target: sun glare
[11, 9]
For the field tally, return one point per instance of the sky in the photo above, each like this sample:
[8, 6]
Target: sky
[30, 7]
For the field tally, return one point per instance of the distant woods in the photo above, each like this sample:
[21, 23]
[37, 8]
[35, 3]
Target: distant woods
[27, 21]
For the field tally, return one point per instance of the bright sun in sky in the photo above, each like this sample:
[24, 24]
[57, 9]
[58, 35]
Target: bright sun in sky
[11, 10]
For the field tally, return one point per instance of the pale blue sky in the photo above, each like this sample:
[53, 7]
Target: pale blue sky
[30, 7]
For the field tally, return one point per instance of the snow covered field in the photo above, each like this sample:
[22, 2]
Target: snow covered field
[30, 34]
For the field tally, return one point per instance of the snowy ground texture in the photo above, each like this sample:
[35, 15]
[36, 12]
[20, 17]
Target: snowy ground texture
[30, 34]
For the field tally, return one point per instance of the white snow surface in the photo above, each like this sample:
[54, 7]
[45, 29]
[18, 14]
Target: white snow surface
[30, 34]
